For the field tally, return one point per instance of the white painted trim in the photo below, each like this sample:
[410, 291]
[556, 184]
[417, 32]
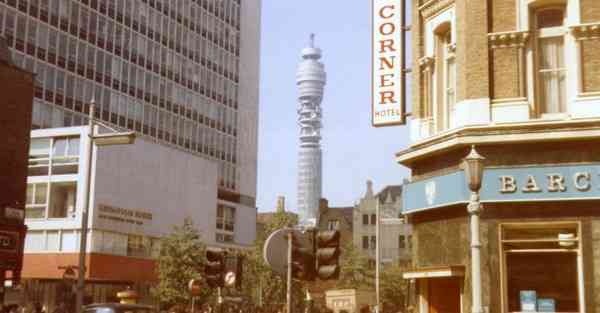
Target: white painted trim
[472, 112]
[510, 112]
[433, 274]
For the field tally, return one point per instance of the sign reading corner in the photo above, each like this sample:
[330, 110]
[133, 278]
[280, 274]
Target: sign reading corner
[388, 48]
[539, 183]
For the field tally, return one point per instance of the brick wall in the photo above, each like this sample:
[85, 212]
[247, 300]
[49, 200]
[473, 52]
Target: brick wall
[15, 122]
[590, 59]
[503, 16]
[590, 11]
[472, 50]
[505, 73]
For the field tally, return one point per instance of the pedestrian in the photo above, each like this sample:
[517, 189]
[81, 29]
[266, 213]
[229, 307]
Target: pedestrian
[61, 308]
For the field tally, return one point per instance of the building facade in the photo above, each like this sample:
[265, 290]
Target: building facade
[137, 195]
[182, 74]
[15, 116]
[395, 232]
[519, 79]
[336, 218]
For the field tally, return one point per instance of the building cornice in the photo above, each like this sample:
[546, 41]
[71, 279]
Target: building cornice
[431, 7]
[586, 31]
[508, 39]
[509, 133]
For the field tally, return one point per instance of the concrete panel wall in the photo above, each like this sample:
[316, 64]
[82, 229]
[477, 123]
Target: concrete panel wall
[150, 178]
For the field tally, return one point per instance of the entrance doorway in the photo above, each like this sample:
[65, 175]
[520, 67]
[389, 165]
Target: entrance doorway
[444, 295]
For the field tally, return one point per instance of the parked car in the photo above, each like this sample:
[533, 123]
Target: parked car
[118, 308]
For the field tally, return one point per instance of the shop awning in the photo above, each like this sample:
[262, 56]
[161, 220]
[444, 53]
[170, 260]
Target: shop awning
[436, 272]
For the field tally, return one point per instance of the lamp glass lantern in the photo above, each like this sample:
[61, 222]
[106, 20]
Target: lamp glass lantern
[473, 165]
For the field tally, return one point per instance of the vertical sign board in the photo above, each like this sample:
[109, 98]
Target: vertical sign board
[388, 46]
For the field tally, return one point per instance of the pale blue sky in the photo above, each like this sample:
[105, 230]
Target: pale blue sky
[353, 151]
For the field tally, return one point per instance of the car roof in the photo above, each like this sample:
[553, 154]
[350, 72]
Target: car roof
[117, 306]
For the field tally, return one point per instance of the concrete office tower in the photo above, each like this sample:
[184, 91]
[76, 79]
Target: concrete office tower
[311, 81]
[184, 76]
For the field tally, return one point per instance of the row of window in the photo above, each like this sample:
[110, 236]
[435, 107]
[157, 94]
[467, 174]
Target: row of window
[101, 241]
[145, 20]
[370, 242]
[439, 73]
[169, 75]
[191, 136]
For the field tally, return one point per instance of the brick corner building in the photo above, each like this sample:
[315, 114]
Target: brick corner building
[519, 79]
[15, 120]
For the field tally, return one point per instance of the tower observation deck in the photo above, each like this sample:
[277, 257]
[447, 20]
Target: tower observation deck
[310, 79]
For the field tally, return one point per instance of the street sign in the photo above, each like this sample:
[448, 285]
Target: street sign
[69, 274]
[229, 279]
[274, 251]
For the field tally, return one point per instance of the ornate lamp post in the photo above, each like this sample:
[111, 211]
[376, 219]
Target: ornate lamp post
[473, 165]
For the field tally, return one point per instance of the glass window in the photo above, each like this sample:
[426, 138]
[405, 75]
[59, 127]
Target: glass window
[401, 242]
[333, 224]
[557, 244]
[37, 195]
[62, 199]
[365, 219]
[550, 60]
[373, 219]
[373, 242]
[365, 242]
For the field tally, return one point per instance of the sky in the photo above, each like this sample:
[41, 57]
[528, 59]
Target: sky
[353, 150]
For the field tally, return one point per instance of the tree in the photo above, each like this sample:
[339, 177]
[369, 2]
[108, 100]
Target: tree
[267, 288]
[182, 256]
[393, 287]
[356, 271]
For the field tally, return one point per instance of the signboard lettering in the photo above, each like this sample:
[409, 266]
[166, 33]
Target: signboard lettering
[530, 183]
[387, 53]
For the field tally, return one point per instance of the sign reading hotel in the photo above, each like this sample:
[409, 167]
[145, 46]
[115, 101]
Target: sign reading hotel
[387, 54]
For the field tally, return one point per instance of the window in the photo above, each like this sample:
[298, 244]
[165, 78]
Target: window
[551, 70]
[373, 242]
[333, 225]
[365, 242]
[445, 78]
[136, 246]
[365, 219]
[373, 219]
[558, 244]
[65, 155]
[224, 237]
[62, 199]
[401, 242]
[225, 218]
[36, 201]
[39, 156]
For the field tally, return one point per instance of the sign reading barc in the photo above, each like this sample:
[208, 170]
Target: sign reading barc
[387, 63]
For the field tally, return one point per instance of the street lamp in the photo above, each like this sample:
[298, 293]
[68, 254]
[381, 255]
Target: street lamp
[109, 139]
[473, 165]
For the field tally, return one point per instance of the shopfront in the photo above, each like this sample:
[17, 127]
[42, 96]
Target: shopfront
[539, 237]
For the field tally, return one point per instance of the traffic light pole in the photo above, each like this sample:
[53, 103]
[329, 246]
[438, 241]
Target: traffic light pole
[289, 272]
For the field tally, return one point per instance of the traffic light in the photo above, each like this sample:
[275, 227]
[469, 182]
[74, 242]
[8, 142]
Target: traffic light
[233, 271]
[303, 257]
[328, 253]
[215, 267]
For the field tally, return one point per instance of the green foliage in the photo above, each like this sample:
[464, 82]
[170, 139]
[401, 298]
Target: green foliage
[393, 287]
[356, 272]
[260, 283]
[182, 256]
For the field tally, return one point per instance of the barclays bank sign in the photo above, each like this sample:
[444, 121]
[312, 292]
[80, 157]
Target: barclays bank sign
[506, 184]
